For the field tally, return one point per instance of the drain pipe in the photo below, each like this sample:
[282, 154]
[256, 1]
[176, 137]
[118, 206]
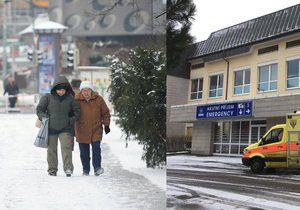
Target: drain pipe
[227, 77]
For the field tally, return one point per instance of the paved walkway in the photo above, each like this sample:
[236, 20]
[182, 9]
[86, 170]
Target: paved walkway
[25, 184]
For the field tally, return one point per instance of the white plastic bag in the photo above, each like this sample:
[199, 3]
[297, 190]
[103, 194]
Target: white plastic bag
[38, 123]
[42, 137]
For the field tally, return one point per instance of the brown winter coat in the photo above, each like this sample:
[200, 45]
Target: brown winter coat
[93, 115]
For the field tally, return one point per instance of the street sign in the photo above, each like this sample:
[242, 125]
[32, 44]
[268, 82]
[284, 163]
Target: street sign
[225, 110]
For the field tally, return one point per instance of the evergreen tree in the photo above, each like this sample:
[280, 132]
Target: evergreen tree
[179, 16]
[138, 92]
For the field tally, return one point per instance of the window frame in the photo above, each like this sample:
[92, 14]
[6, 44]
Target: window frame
[292, 59]
[198, 91]
[218, 74]
[269, 64]
[244, 69]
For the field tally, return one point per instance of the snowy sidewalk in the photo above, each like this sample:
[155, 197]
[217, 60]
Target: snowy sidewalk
[25, 184]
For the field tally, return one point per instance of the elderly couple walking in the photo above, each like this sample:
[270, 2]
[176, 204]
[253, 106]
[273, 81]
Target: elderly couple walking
[87, 111]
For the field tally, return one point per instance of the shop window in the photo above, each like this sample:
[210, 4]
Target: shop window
[267, 78]
[217, 148]
[188, 137]
[242, 81]
[293, 73]
[216, 86]
[196, 88]
[245, 132]
[258, 122]
[225, 149]
[226, 132]
[257, 132]
[262, 132]
[217, 132]
[242, 147]
[234, 149]
[235, 133]
[234, 138]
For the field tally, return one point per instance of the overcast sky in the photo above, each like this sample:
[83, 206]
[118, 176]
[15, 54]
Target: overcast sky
[213, 15]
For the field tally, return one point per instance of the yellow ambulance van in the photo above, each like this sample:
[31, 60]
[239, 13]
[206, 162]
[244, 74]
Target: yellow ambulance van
[278, 148]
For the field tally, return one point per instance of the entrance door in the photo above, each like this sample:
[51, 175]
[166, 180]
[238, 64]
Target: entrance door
[257, 131]
[293, 152]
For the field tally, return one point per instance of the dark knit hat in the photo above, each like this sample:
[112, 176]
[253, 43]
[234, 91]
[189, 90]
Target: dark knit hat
[61, 86]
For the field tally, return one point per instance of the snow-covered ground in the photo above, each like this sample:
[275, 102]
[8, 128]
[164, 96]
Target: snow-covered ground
[24, 183]
[130, 157]
[224, 183]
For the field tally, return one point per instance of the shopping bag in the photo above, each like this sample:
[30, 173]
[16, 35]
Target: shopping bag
[42, 137]
[38, 123]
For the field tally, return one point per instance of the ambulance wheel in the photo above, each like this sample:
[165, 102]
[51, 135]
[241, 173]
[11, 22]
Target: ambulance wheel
[257, 165]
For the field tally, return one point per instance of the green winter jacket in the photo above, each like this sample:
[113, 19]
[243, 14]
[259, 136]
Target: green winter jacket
[62, 111]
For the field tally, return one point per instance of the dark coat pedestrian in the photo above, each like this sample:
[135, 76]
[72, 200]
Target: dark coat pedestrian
[62, 110]
[12, 89]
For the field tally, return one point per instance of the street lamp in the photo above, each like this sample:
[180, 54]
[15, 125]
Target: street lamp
[4, 40]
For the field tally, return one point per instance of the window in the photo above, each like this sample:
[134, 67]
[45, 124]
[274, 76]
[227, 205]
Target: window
[231, 137]
[293, 73]
[196, 88]
[216, 86]
[273, 137]
[268, 49]
[267, 78]
[197, 66]
[242, 81]
[293, 43]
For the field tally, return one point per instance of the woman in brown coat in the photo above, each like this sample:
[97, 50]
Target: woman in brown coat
[94, 113]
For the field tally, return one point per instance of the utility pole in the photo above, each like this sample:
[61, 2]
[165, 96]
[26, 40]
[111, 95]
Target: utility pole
[34, 41]
[4, 40]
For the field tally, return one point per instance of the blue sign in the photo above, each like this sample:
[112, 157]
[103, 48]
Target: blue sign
[235, 109]
[46, 78]
[46, 44]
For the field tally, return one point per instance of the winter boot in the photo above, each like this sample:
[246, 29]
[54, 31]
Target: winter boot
[68, 172]
[52, 173]
[99, 171]
[85, 173]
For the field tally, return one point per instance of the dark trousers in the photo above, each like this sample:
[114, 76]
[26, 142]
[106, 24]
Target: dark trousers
[85, 156]
[12, 102]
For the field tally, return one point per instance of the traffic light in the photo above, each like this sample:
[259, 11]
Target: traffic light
[30, 54]
[39, 56]
[70, 59]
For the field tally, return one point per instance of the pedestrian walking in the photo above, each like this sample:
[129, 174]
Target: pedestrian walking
[62, 110]
[75, 83]
[94, 114]
[12, 89]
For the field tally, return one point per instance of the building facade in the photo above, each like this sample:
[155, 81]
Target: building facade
[176, 133]
[107, 18]
[243, 80]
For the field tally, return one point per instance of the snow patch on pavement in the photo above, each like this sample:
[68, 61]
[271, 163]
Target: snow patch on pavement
[130, 157]
[25, 184]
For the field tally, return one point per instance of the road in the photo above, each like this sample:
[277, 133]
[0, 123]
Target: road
[224, 183]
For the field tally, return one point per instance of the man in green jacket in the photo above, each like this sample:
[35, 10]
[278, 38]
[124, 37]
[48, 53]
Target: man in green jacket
[62, 110]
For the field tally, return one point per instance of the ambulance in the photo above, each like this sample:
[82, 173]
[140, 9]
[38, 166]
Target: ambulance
[278, 148]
